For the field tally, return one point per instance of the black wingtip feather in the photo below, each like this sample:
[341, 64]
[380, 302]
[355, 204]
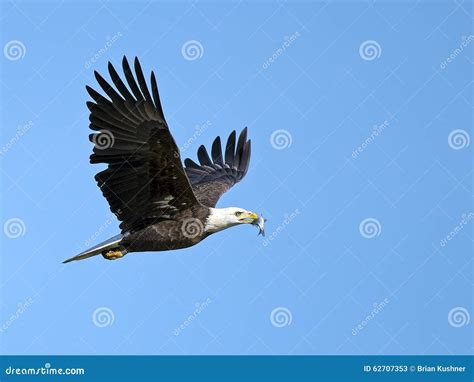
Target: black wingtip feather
[244, 164]
[90, 91]
[98, 77]
[90, 105]
[124, 61]
[119, 84]
[191, 164]
[217, 152]
[109, 90]
[97, 97]
[240, 147]
[131, 80]
[141, 80]
[203, 156]
[230, 149]
[156, 94]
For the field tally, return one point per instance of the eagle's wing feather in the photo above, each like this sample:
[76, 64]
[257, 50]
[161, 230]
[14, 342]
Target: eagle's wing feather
[212, 177]
[145, 180]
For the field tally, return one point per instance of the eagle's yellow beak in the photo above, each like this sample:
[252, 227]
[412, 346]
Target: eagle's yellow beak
[248, 217]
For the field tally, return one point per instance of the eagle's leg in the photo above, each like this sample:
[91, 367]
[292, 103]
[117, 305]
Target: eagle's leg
[114, 254]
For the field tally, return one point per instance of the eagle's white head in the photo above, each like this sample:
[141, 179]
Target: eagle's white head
[222, 218]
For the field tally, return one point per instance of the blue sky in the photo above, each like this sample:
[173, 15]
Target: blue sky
[360, 115]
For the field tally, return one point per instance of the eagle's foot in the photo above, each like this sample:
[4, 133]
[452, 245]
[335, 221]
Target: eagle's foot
[113, 255]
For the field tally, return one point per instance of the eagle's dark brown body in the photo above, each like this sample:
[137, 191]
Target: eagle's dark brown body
[184, 230]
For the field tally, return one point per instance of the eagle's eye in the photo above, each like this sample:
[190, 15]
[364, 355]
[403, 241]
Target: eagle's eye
[238, 213]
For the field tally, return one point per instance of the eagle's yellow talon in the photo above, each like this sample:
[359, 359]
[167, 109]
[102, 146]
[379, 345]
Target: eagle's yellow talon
[113, 255]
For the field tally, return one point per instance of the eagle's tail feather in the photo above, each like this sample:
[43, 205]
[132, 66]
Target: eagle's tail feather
[110, 244]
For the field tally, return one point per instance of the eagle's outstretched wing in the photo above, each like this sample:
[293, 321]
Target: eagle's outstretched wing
[215, 176]
[145, 180]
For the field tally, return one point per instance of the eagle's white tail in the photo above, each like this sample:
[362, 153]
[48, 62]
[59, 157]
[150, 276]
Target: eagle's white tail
[112, 243]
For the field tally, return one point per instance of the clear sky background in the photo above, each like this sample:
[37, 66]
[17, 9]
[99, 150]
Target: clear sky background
[310, 80]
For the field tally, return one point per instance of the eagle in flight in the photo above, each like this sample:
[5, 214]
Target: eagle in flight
[161, 204]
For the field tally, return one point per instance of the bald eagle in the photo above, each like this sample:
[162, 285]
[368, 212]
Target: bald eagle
[161, 204]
